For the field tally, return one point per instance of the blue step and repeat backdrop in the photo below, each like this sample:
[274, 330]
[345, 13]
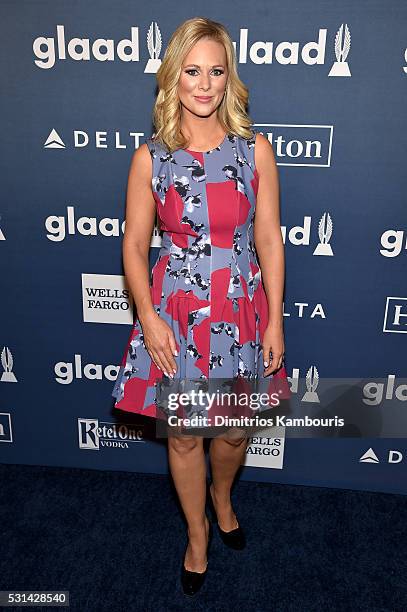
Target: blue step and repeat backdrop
[328, 86]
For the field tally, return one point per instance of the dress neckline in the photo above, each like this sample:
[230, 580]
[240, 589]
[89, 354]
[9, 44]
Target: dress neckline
[210, 150]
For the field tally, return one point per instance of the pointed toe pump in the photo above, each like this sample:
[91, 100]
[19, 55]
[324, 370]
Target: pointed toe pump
[233, 539]
[192, 581]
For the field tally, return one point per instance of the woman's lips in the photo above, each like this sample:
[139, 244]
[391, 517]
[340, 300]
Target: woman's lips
[203, 98]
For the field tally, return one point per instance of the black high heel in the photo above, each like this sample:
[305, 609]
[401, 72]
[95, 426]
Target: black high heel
[192, 581]
[234, 539]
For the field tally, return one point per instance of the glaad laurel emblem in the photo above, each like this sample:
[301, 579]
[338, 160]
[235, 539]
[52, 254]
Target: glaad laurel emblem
[154, 48]
[311, 382]
[324, 233]
[342, 47]
[7, 363]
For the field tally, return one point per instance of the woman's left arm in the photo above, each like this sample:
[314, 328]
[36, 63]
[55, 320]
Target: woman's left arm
[270, 250]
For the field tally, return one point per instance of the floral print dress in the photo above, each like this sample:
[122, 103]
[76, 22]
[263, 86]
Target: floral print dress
[206, 283]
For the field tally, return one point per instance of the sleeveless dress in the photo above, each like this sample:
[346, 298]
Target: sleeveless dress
[206, 282]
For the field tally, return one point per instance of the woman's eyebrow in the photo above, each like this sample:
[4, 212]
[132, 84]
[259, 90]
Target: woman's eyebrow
[197, 66]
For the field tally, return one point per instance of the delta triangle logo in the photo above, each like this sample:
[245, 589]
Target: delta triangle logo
[54, 141]
[369, 457]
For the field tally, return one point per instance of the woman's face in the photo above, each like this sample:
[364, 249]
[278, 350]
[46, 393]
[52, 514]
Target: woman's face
[203, 78]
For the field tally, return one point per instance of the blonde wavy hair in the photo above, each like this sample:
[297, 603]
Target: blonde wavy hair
[232, 112]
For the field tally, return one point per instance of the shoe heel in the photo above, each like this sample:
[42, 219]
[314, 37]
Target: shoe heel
[236, 538]
[193, 581]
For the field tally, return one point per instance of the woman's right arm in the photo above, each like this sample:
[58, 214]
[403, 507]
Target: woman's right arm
[140, 215]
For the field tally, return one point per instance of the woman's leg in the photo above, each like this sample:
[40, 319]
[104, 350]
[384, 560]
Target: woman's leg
[226, 453]
[188, 468]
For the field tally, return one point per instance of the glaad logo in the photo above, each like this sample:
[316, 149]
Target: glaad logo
[374, 392]
[7, 363]
[6, 433]
[395, 315]
[300, 234]
[393, 242]
[288, 52]
[94, 434]
[48, 49]
[59, 226]
[80, 49]
[102, 49]
[342, 48]
[370, 456]
[66, 372]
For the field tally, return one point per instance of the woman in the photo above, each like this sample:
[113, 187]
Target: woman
[207, 314]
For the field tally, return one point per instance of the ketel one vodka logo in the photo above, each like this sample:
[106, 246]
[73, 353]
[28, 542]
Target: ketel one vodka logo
[94, 434]
[311, 382]
[342, 47]
[324, 233]
[154, 44]
[7, 363]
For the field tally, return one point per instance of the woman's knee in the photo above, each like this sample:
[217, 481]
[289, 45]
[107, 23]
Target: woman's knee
[235, 436]
[183, 444]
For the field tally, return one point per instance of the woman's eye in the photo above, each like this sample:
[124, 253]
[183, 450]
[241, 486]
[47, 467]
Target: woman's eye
[195, 70]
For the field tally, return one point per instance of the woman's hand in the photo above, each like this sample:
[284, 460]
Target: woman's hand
[273, 342]
[160, 343]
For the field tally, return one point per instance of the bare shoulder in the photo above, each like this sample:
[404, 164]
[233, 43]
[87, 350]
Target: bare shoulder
[264, 154]
[141, 163]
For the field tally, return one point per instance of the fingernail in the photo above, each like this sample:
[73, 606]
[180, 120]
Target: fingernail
[175, 371]
[165, 373]
[265, 364]
[176, 353]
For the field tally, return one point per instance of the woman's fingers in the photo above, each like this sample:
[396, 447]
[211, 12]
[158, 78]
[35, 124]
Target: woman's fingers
[270, 365]
[167, 369]
[275, 364]
[173, 344]
[169, 357]
[266, 355]
[161, 362]
[155, 357]
[163, 357]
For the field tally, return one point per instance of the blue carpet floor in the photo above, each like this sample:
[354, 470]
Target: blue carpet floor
[115, 541]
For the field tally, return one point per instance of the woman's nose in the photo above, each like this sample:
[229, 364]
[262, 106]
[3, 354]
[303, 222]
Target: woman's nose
[204, 82]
